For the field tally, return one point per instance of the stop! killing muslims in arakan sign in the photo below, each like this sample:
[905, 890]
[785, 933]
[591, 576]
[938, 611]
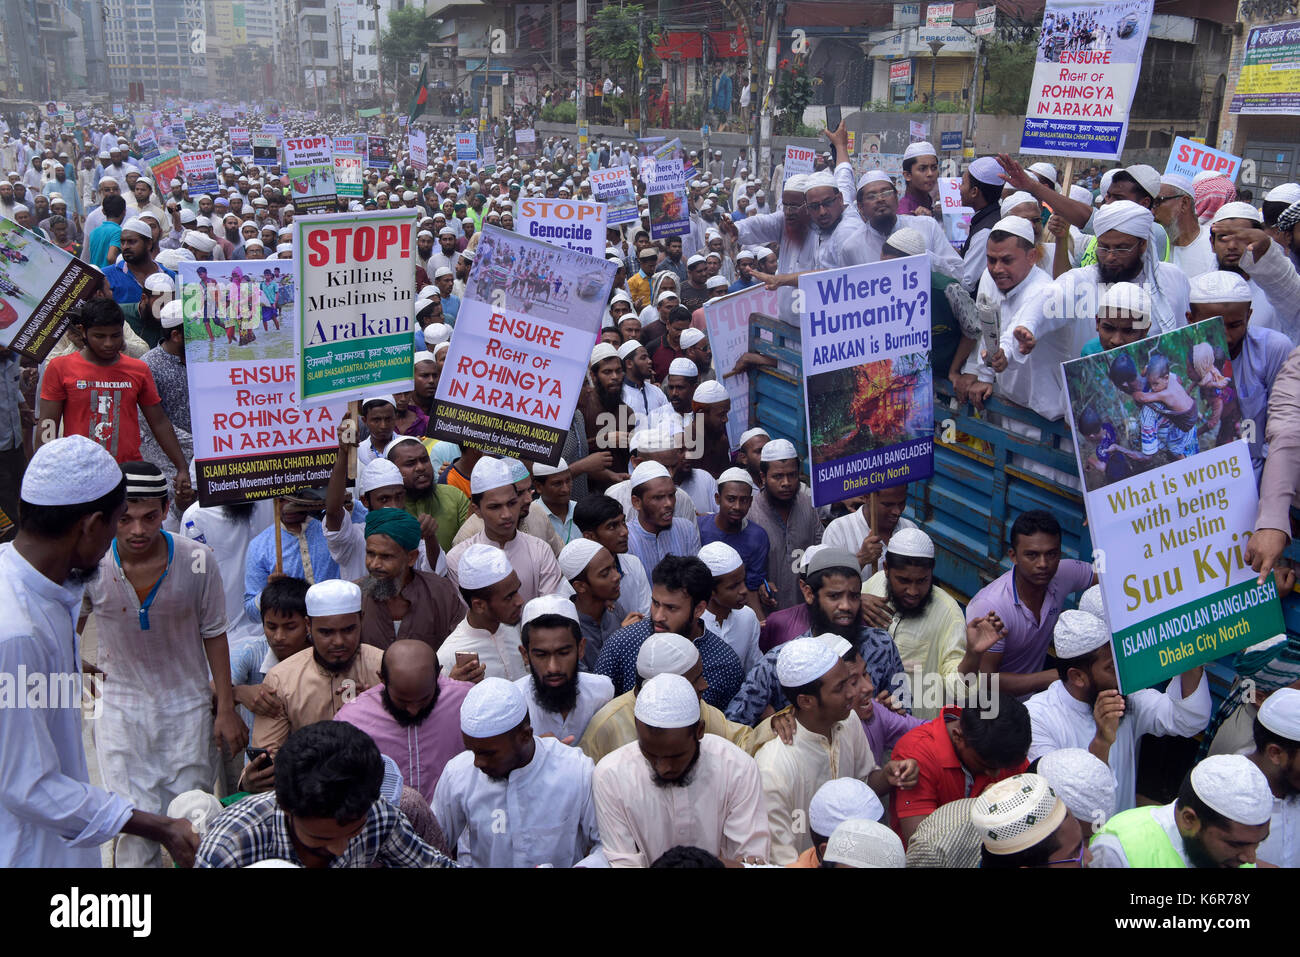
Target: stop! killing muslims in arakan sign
[1086, 69]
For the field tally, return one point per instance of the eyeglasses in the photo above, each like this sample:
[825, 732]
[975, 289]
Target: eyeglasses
[1165, 199]
[824, 204]
[1078, 858]
[878, 194]
[1108, 251]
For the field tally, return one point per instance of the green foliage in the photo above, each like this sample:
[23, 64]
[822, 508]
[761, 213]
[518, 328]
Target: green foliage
[1008, 71]
[794, 91]
[560, 113]
[408, 35]
[612, 37]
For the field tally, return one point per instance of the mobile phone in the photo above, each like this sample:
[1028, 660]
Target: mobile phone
[466, 657]
[255, 753]
[833, 117]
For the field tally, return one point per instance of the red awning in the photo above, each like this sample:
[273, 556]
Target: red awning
[686, 46]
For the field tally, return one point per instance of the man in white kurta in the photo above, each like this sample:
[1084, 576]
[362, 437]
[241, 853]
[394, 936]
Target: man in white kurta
[490, 628]
[532, 808]
[1279, 726]
[1063, 715]
[715, 803]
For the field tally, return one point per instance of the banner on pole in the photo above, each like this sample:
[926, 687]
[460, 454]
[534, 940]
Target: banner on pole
[40, 284]
[727, 320]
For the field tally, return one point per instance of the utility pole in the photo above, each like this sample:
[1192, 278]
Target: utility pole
[764, 158]
[642, 125]
[974, 85]
[707, 86]
[580, 95]
[935, 47]
[379, 53]
[344, 82]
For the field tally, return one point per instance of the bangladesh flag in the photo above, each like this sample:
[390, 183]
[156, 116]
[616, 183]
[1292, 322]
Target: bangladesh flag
[421, 98]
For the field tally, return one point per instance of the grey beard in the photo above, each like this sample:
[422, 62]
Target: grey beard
[380, 589]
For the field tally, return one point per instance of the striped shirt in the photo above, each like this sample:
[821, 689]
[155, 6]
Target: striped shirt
[683, 539]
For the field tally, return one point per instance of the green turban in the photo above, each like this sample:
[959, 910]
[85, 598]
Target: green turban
[397, 524]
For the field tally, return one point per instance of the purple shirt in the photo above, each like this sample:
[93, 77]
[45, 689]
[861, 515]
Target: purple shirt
[421, 751]
[1024, 650]
[885, 728]
[782, 626]
[909, 203]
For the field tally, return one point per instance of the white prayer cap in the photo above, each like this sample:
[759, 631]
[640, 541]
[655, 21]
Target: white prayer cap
[423, 356]
[333, 597]
[803, 661]
[1081, 194]
[1082, 780]
[683, 367]
[907, 240]
[914, 150]
[72, 470]
[865, 844]
[377, 397]
[284, 248]
[696, 260]
[626, 349]
[840, 800]
[1178, 182]
[1014, 200]
[986, 169]
[544, 605]
[1104, 186]
[796, 184]
[716, 282]
[1016, 813]
[1090, 602]
[822, 179]
[198, 807]
[169, 258]
[422, 233]
[446, 231]
[667, 701]
[441, 347]
[778, 450]
[493, 706]
[745, 254]
[159, 282]
[518, 470]
[1046, 170]
[205, 221]
[1238, 210]
[1076, 633]
[576, 556]
[710, 393]
[753, 434]
[1280, 713]
[874, 176]
[736, 474]
[666, 294]
[647, 472]
[721, 558]
[1232, 785]
[408, 195]
[541, 469]
[910, 543]
[1219, 286]
[666, 653]
[482, 566]
[173, 314]
[138, 226]
[436, 333]
[1124, 216]
[838, 645]
[602, 352]
[102, 180]
[1286, 193]
[379, 473]
[489, 474]
[1016, 226]
[1125, 296]
[443, 271]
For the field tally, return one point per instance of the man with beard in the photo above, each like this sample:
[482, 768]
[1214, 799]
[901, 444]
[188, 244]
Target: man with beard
[1175, 210]
[672, 261]
[136, 264]
[592, 572]
[561, 698]
[413, 715]
[399, 599]
[877, 207]
[1027, 600]
[606, 417]
[679, 386]
[545, 786]
[710, 407]
[829, 741]
[1084, 709]
[680, 590]
[313, 684]
[733, 500]
[784, 510]
[640, 394]
[656, 531]
[446, 505]
[73, 496]
[1220, 818]
[925, 622]
[1277, 754]
[853, 532]
[423, 249]
[707, 792]
[791, 227]
[486, 642]
[446, 254]
[304, 553]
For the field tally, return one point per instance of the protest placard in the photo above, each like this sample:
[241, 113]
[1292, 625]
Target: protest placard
[266, 149]
[1085, 72]
[868, 390]
[727, 320]
[417, 148]
[613, 187]
[1269, 79]
[354, 330]
[251, 440]
[1188, 158]
[466, 147]
[956, 217]
[526, 142]
[200, 172]
[349, 162]
[378, 153]
[571, 223]
[274, 129]
[670, 213]
[518, 357]
[1171, 502]
[241, 142]
[490, 159]
[798, 161]
[39, 285]
[164, 168]
[148, 145]
[310, 161]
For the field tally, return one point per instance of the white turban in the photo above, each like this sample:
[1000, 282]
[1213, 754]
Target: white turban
[1123, 216]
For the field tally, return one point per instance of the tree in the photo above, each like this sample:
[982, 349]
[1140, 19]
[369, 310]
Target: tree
[1008, 71]
[614, 38]
[405, 41]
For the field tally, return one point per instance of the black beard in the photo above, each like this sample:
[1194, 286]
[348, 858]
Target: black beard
[885, 224]
[1232, 269]
[686, 777]
[380, 589]
[902, 610]
[1109, 273]
[557, 700]
[610, 398]
[336, 669]
[1196, 852]
[821, 624]
[404, 718]
[241, 513]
